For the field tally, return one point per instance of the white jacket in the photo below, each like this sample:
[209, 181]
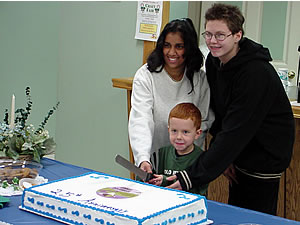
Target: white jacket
[153, 97]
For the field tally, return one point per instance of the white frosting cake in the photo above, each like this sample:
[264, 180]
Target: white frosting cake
[97, 198]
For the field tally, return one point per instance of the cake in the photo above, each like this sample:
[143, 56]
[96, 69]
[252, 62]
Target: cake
[97, 198]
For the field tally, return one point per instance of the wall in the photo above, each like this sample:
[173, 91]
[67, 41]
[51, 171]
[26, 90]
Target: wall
[178, 9]
[29, 57]
[273, 26]
[70, 51]
[96, 44]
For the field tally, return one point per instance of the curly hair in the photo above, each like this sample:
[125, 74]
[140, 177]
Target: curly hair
[230, 14]
[193, 57]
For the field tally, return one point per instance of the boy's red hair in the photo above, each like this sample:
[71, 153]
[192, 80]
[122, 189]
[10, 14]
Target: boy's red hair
[187, 111]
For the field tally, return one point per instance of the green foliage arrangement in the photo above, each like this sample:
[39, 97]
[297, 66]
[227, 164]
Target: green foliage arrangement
[24, 139]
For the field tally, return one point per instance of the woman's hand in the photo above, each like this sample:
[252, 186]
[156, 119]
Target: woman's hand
[146, 166]
[175, 185]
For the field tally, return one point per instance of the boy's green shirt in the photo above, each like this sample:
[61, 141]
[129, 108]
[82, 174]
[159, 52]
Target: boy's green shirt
[169, 164]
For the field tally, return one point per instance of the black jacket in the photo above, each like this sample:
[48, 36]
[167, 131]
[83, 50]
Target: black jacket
[254, 123]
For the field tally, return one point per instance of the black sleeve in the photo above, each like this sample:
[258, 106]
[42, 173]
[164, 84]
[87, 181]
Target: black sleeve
[253, 94]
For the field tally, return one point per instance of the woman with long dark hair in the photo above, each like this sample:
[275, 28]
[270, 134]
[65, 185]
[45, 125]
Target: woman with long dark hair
[171, 75]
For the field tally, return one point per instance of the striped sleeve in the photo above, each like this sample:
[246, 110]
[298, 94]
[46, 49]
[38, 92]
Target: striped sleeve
[184, 180]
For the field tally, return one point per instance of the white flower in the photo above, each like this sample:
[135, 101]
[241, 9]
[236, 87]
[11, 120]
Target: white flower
[27, 146]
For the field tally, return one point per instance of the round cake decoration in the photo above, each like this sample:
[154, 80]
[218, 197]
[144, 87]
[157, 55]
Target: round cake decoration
[118, 192]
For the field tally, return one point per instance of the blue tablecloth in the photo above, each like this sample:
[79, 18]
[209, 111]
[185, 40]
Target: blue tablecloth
[218, 212]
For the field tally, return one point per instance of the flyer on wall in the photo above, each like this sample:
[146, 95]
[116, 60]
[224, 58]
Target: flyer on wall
[149, 19]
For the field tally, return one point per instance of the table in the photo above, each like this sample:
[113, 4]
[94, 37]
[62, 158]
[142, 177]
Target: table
[52, 170]
[218, 212]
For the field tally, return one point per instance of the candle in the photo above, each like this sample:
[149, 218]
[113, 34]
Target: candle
[12, 112]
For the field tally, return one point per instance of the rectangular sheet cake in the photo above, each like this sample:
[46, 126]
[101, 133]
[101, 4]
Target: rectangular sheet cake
[97, 198]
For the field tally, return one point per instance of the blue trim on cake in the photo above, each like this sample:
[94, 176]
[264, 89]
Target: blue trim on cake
[139, 220]
[81, 205]
[50, 206]
[62, 209]
[40, 203]
[50, 215]
[101, 221]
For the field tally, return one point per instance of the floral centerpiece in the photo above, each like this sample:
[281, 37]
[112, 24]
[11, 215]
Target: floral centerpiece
[18, 138]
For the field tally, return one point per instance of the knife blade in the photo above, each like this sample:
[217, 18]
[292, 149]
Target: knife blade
[133, 168]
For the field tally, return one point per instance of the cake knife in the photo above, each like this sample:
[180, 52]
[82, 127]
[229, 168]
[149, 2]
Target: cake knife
[132, 168]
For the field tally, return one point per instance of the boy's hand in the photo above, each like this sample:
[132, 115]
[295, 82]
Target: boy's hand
[175, 185]
[157, 180]
[146, 166]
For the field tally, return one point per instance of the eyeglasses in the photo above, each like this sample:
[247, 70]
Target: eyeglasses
[218, 37]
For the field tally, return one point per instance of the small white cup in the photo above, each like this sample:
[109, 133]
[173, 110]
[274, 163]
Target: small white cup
[283, 74]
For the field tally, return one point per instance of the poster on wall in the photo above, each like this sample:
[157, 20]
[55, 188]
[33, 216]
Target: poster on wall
[149, 18]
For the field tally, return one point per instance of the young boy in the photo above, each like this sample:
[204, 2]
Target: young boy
[184, 127]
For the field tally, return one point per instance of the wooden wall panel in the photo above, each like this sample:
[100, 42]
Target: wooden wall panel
[150, 45]
[281, 197]
[218, 190]
[293, 180]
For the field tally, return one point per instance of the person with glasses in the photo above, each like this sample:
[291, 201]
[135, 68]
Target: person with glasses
[171, 75]
[253, 132]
